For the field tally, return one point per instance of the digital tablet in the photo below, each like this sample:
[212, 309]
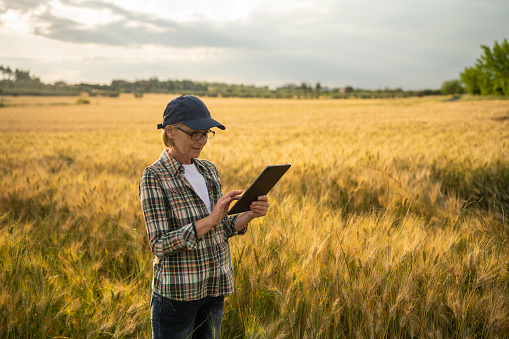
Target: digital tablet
[261, 186]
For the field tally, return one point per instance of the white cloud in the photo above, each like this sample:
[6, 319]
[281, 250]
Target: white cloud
[89, 17]
[15, 22]
[193, 11]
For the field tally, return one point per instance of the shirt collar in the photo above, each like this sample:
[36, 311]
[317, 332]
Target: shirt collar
[201, 168]
[174, 167]
[171, 165]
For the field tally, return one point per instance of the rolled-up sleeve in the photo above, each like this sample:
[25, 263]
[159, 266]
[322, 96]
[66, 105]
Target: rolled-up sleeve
[229, 226]
[164, 239]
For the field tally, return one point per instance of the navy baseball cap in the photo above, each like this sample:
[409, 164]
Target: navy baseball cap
[190, 111]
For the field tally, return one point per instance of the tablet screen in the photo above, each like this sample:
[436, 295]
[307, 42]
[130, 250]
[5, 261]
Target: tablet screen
[261, 186]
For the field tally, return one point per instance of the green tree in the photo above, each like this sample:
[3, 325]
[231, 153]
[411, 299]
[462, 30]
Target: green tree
[21, 75]
[490, 74]
[470, 78]
[318, 90]
[452, 87]
[9, 72]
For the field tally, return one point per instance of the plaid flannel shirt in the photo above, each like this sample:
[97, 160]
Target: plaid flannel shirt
[185, 268]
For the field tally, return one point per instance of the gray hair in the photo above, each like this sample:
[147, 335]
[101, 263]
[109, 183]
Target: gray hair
[164, 136]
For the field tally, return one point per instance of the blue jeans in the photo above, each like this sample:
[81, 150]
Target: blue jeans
[186, 319]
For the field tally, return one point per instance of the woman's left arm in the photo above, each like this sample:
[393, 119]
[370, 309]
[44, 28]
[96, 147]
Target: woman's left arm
[258, 208]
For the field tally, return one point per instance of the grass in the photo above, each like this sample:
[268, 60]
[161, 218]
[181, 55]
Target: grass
[392, 221]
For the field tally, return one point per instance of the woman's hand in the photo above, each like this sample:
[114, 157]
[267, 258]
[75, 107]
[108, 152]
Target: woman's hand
[259, 207]
[218, 213]
[222, 206]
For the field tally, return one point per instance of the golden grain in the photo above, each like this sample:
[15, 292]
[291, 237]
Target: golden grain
[391, 212]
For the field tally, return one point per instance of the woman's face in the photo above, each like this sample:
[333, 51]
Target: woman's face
[185, 148]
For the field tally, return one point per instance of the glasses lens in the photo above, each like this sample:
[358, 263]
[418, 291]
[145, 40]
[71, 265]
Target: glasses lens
[196, 135]
[199, 135]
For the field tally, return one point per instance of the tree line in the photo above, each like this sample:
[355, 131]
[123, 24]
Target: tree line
[21, 82]
[488, 76]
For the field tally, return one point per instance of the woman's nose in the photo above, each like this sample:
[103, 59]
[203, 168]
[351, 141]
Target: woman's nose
[203, 140]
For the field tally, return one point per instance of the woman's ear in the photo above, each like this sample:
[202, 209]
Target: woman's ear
[169, 131]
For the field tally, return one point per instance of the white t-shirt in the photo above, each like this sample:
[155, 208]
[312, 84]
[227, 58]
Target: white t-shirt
[198, 182]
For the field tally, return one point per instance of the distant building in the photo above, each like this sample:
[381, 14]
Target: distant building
[290, 86]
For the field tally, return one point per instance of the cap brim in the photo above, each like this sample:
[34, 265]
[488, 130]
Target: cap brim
[202, 124]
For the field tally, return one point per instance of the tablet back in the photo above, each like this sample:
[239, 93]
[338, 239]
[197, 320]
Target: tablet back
[261, 186]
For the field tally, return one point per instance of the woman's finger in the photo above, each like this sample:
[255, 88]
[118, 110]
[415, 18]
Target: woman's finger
[233, 194]
[260, 204]
[260, 209]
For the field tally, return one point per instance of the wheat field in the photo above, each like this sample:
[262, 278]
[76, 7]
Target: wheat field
[391, 222]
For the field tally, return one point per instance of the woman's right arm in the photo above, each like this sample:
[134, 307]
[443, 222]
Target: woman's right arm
[154, 204]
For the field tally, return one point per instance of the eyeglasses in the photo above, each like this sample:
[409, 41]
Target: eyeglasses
[198, 135]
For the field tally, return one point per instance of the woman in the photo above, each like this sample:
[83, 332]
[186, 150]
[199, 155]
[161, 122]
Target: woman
[187, 226]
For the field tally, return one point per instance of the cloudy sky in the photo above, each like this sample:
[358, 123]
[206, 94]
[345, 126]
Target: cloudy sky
[412, 44]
